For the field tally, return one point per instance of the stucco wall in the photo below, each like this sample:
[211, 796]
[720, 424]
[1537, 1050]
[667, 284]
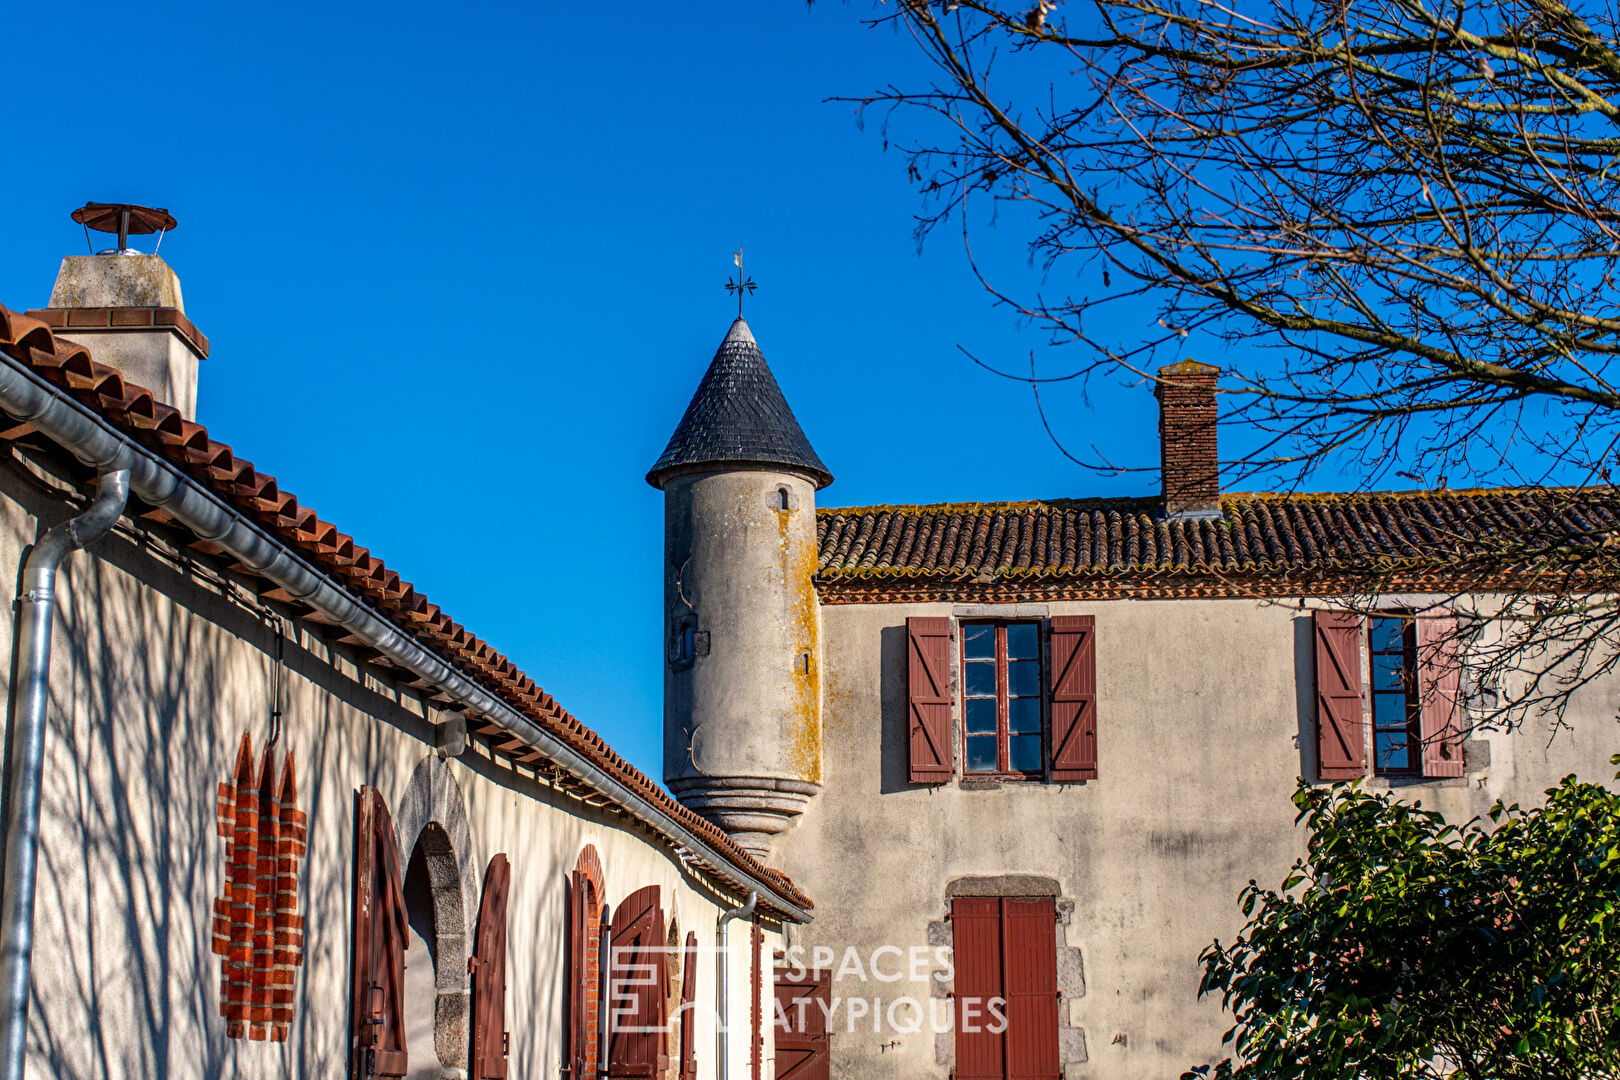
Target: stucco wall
[156, 676]
[739, 563]
[1204, 724]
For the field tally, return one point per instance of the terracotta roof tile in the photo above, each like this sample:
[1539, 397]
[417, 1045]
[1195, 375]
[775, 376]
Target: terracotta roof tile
[235, 480]
[1258, 536]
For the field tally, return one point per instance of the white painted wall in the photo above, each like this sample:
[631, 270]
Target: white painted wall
[155, 678]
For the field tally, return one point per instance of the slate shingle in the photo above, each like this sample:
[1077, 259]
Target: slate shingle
[738, 416]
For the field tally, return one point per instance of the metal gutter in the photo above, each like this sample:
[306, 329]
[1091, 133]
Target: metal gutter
[91, 439]
[30, 701]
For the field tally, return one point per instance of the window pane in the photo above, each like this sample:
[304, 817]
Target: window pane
[1024, 716]
[1024, 753]
[1386, 635]
[1393, 751]
[979, 642]
[1389, 711]
[1024, 678]
[981, 716]
[981, 678]
[1023, 643]
[981, 753]
[1386, 673]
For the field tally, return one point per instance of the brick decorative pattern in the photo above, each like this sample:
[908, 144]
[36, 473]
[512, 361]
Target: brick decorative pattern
[258, 928]
[1189, 458]
[589, 864]
[124, 318]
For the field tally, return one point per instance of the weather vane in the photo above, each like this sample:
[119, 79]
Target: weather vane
[741, 284]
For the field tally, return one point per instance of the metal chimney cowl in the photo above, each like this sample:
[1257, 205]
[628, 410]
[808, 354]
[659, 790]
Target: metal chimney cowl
[126, 308]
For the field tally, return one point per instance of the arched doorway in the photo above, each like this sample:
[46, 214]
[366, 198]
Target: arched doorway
[435, 960]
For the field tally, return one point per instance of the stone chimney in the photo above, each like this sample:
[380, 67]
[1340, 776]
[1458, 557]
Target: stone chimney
[126, 309]
[1189, 458]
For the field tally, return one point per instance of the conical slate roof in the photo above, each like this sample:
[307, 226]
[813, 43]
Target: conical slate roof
[738, 416]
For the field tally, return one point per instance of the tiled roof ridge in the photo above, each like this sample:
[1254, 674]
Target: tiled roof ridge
[162, 429]
[1152, 502]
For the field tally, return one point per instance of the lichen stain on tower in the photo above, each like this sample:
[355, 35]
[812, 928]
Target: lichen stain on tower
[803, 742]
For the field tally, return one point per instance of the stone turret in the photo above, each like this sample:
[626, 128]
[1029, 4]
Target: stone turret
[742, 684]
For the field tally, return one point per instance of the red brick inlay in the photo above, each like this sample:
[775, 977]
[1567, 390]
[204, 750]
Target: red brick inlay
[257, 926]
[589, 865]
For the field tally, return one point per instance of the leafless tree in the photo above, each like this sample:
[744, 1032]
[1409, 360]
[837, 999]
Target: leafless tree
[1401, 214]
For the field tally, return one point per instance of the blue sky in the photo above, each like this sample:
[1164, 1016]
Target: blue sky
[462, 268]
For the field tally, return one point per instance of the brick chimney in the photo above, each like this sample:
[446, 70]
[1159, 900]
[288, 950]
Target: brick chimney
[1189, 458]
[125, 307]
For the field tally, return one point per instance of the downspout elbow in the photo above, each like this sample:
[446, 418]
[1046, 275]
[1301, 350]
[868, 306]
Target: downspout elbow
[744, 912]
[112, 495]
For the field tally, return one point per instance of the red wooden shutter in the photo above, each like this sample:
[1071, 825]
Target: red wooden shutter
[1029, 983]
[1074, 698]
[803, 1003]
[1340, 750]
[1438, 676]
[928, 694]
[638, 976]
[756, 1022]
[488, 964]
[376, 1015]
[689, 960]
[976, 953]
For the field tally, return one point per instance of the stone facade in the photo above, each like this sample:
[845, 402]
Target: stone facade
[1205, 722]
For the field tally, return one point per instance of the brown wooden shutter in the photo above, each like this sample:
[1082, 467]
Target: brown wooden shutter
[488, 965]
[376, 1004]
[1340, 748]
[638, 976]
[803, 1003]
[689, 961]
[976, 957]
[928, 694]
[756, 987]
[1073, 752]
[1029, 983]
[1439, 672]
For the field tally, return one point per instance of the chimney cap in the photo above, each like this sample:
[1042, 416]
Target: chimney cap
[125, 219]
[1189, 366]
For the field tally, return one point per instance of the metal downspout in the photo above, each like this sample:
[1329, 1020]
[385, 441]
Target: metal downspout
[30, 699]
[722, 987]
